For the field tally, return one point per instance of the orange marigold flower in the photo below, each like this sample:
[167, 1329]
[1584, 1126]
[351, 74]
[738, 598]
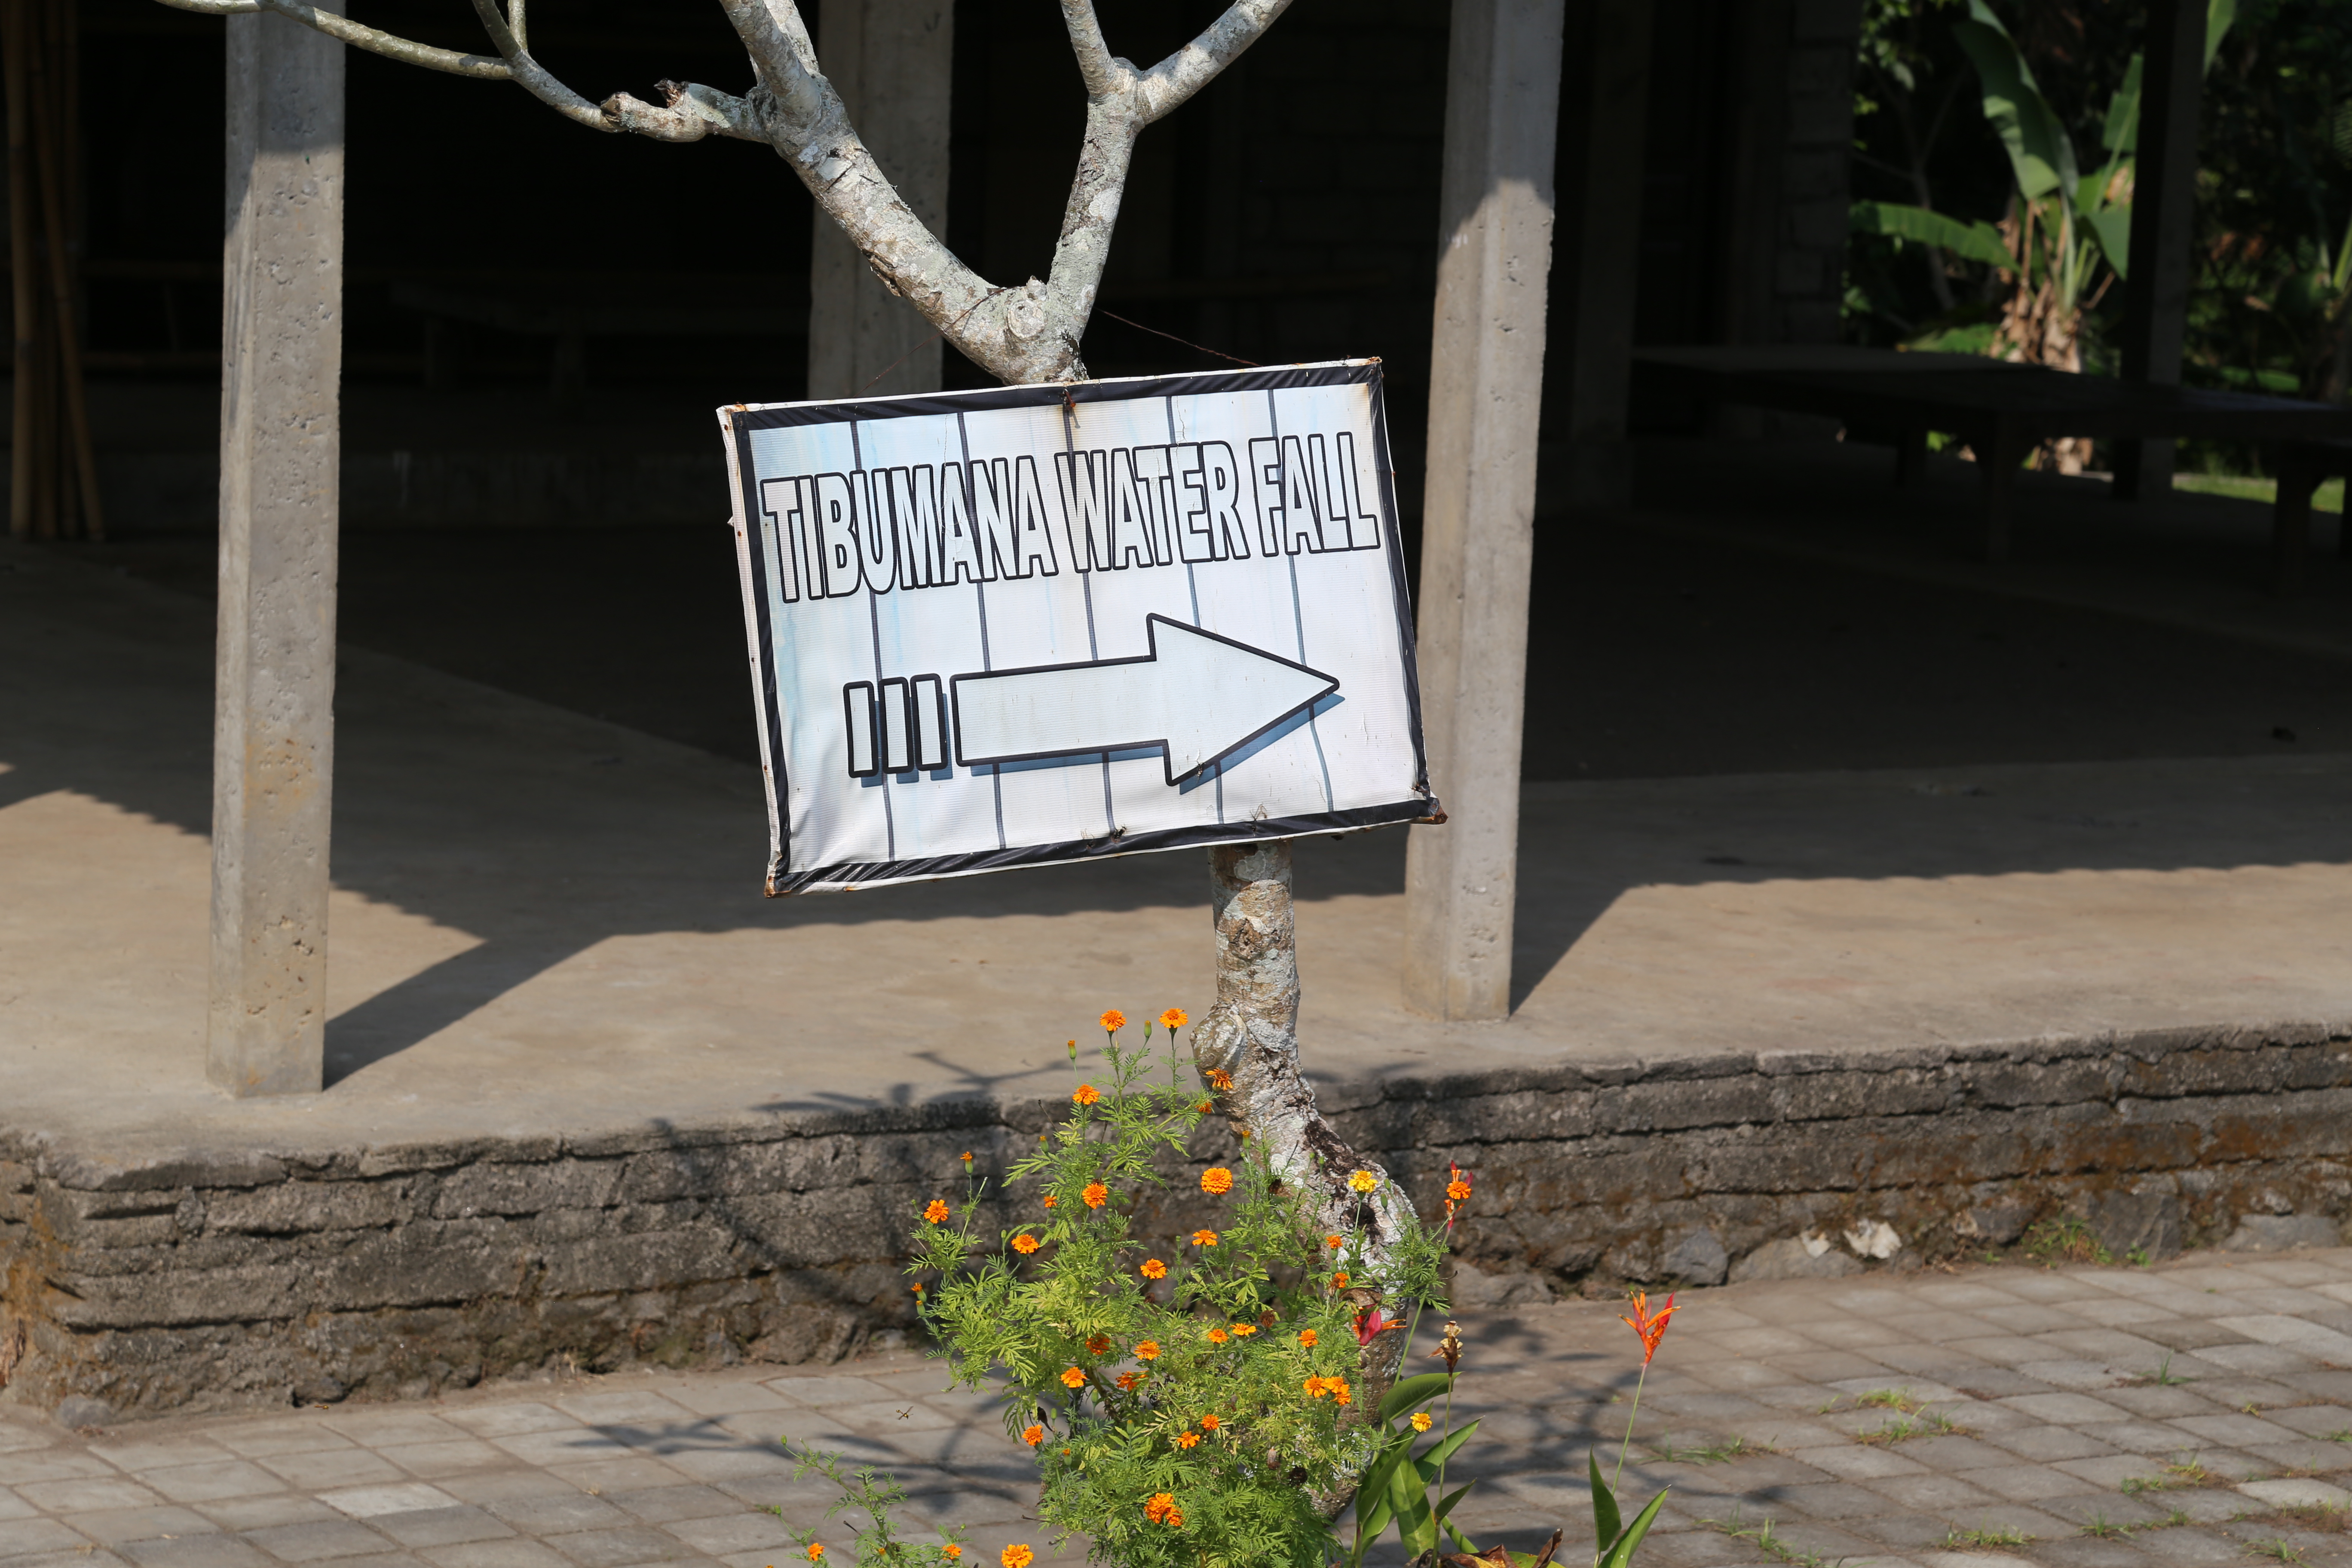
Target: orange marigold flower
[1127, 1380]
[1162, 1510]
[1113, 1020]
[1095, 1194]
[1335, 1242]
[1306, 1338]
[1187, 1439]
[1339, 1282]
[1362, 1181]
[1651, 1328]
[1219, 1077]
[1420, 1422]
[1173, 1018]
[1313, 1389]
[936, 1213]
[1051, 1200]
[1073, 1378]
[1097, 1343]
[1147, 1350]
[815, 1551]
[951, 1552]
[1458, 1191]
[1204, 1106]
[1153, 1270]
[1085, 1094]
[1244, 1331]
[1339, 1388]
[1204, 1238]
[1216, 1181]
[1034, 1436]
[1017, 1557]
[1208, 1423]
[1217, 1336]
[1026, 1243]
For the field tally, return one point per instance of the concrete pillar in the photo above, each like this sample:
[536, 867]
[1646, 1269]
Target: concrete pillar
[1502, 104]
[893, 63]
[1601, 126]
[2164, 200]
[273, 727]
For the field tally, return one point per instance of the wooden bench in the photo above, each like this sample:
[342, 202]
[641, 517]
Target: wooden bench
[2303, 468]
[2002, 411]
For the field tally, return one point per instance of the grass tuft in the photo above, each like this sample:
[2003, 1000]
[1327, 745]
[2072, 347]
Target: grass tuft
[1718, 1454]
[1763, 1539]
[1902, 1429]
[1958, 1539]
[2064, 1240]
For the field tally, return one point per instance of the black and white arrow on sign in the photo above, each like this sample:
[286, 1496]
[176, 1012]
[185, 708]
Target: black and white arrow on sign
[1197, 696]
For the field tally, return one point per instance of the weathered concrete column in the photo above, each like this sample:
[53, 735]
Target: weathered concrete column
[2164, 203]
[1601, 124]
[893, 63]
[1486, 389]
[273, 726]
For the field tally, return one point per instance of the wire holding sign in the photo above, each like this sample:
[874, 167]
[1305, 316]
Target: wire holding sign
[1042, 624]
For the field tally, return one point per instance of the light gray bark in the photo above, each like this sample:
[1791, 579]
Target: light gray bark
[1251, 1032]
[1477, 527]
[892, 61]
[273, 734]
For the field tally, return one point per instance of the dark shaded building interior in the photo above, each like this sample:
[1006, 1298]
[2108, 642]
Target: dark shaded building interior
[540, 321]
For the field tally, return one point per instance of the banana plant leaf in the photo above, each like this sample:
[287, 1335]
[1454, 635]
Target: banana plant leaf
[1977, 241]
[2040, 152]
[2112, 227]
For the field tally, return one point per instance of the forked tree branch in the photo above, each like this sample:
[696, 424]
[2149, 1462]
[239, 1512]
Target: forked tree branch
[1024, 334]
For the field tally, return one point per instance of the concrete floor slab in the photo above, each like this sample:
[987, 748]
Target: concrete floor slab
[545, 922]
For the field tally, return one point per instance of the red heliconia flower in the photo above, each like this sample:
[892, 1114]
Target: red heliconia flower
[1651, 1328]
[1372, 1324]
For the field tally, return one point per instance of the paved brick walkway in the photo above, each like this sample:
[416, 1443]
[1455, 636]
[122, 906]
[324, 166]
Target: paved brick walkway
[2083, 1417]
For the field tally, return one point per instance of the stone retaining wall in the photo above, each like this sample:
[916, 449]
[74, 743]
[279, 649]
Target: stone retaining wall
[206, 1279]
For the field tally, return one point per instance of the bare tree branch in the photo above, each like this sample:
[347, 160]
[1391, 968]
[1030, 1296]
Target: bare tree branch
[1194, 67]
[350, 32]
[779, 50]
[534, 77]
[1103, 72]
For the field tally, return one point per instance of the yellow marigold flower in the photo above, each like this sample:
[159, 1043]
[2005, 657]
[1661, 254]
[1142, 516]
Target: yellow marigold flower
[1114, 1020]
[1217, 1336]
[1085, 1094]
[1017, 1557]
[1204, 1238]
[1208, 1423]
[936, 1213]
[1334, 1242]
[1051, 1200]
[1420, 1422]
[1097, 1343]
[1095, 1194]
[1153, 1270]
[1459, 1191]
[1173, 1018]
[1147, 1350]
[1363, 1181]
[1026, 1243]
[1244, 1331]
[1073, 1378]
[1187, 1439]
[1034, 1436]
[1216, 1181]
[1306, 1338]
[1219, 1079]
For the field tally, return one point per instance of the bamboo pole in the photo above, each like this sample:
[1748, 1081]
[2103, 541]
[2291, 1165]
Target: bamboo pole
[26, 301]
[47, 98]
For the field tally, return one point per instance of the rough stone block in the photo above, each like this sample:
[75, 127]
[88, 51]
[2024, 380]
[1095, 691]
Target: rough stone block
[291, 1207]
[503, 1188]
[2280, 1233]
[1789, 1258]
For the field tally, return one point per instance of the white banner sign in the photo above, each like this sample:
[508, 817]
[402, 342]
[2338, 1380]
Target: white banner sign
[1042, 624]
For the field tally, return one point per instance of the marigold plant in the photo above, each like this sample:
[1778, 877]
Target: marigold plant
[1171, 1383]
